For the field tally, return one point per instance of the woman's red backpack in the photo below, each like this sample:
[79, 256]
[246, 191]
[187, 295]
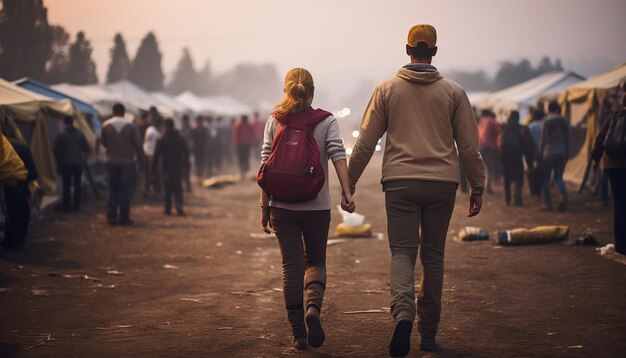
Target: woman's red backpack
[293, 172]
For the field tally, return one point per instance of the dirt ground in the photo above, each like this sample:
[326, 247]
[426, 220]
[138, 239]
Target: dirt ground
[201, 286]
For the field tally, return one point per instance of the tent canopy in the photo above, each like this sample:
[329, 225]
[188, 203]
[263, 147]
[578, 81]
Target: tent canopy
[523, 95]
[215, 105]
[43, 89]
[130, 90]
[102, 98]
[40, 115]
[583, 101]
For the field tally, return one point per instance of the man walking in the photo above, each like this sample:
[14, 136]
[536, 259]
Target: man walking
[70, 152]
[424, 115]
[244, 138]
[554, 149]
[171, 157]
[123, 149]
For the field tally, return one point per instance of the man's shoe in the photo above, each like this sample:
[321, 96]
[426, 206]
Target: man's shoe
[428, 345]
[562, 205]
[299, 343]
[180, 212]
[400, 343]
[316, 336]
[112, 222]
[167, 212]
[127, 222]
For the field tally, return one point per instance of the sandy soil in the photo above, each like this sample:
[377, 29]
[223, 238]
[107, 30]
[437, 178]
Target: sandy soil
[201, 286]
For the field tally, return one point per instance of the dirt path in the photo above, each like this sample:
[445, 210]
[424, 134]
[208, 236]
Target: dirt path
[201, 286]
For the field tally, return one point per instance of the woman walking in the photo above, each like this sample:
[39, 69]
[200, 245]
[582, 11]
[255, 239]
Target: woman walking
[302, 227]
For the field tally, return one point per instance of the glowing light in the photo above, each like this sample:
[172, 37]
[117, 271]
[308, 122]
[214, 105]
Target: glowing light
[378, 148]
[355, 134]
[348, 151]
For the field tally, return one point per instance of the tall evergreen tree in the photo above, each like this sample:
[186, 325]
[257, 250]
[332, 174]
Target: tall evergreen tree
[81, 69]
[205, 82]
[145, 69]
[58, 64]
[120, 62]
[185, 77]
[25, 39]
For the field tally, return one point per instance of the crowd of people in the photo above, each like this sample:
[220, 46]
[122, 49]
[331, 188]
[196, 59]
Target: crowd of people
[159, 155]
[539, 148]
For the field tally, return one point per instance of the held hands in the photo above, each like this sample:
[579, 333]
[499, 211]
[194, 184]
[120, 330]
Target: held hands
[347, 202]
[265, 220]
[476, 202]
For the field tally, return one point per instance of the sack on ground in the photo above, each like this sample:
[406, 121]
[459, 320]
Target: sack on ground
[535, 235]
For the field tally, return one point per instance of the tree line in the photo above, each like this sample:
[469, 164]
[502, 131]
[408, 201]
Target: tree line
[509, 73]
[31, 47]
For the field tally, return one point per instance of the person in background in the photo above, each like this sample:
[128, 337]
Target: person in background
[420, 177]
[18, 163]
[615, 166]
[515, 144]
[153, 133]
[143, 122]
[199, 143]
[123, 147]
[185, 133]
[258, 123]
[554, 149]
[70, 152]
[488, 132]
[535, 173]
[217, 144]
[302, 228]
[244, 138]
[172, 157]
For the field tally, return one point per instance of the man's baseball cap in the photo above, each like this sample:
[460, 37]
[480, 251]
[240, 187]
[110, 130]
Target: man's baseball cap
[422, 33]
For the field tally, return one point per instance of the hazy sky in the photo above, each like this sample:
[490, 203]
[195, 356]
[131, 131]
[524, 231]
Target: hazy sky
[344, 41]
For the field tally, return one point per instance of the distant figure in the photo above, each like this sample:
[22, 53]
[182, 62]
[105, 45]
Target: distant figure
[123, 150]
[516, 143]
[554, 149]
[217, 144]
[17, 195]
[153, 133]
[244, 138]
[171, 157]
[185, 133]
[615, 165]
[70, 152]
[423, 116]
[199, 140]
[488, 132]
[258, 123]
[535, 174]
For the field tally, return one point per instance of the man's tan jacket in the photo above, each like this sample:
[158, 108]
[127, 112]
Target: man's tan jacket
[424, 116]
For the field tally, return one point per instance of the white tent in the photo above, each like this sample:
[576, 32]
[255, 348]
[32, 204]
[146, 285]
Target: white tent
[524, 95]
[214, 105]
[130, 90]
[101, 97]
[171, 102]
[38, 120]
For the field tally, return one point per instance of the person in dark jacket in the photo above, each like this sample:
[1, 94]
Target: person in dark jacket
[18, 200]
[516, 144]
[171, 156]
[199, 141]
[70, 152]
[615, 166]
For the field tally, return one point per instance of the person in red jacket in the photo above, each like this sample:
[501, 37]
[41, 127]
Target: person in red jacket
[244, 138]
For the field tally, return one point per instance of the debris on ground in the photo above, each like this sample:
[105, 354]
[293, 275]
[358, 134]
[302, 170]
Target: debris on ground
[254, 235]
[220, 181]
[39, 293]
[171, 267]
[4, 290]
[382, 310]
[608, 252]
[587, 239]
[473, 233]
[191, 300]
[331, 242]
[43, 341]
[115, 273]
[537, 235]
[353, 225]
[109, 287]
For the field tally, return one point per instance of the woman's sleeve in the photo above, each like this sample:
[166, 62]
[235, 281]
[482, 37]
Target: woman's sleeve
[268, 139]
[334, 143]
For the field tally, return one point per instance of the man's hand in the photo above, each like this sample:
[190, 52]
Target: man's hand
[476, 202]
[265, 219]
[347, 202]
